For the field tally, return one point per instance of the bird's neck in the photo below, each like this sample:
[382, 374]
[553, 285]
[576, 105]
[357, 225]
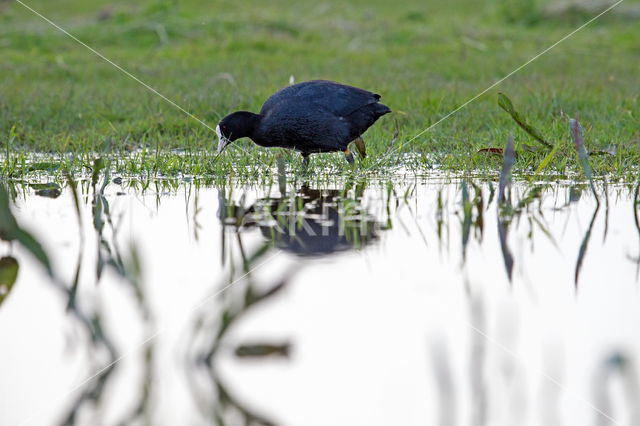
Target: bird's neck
[252, 125]
[258, 133]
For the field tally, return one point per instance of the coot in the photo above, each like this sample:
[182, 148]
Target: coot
[310, 117]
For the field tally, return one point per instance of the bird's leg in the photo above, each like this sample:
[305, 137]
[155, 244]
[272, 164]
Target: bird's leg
[305, 161]
[348, 156]
[359, 142]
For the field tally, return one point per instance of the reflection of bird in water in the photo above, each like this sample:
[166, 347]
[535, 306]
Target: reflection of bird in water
[325, 224]
[311, 223]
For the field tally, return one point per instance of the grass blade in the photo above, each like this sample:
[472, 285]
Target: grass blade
[584, 245]
[509, 160]
[505, 103]
[545, 162]
[636, 220]
[578, 140]
[466, 221]
[504, 207]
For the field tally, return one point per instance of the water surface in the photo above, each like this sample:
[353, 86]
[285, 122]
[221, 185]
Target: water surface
[352, 303]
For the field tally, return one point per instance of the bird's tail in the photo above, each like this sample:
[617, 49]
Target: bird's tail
[382, 109]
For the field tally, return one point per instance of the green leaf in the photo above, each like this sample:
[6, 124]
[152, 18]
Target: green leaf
[98, 165]
[545, 162]
[8, 274]
[505, 103]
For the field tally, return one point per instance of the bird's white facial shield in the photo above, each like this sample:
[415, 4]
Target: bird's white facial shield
[222, 141]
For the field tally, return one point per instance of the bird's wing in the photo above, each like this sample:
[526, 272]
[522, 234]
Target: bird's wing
[295, 124]
[337, 98]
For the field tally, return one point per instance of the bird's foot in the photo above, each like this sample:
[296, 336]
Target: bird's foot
[348, 156]
[359, 143]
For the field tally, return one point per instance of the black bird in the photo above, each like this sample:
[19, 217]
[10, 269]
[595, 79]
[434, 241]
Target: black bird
[311, 117]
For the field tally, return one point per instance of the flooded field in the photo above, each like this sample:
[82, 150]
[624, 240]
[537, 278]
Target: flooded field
[355, 303]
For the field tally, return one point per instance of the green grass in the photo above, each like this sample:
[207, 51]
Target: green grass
[62, 102]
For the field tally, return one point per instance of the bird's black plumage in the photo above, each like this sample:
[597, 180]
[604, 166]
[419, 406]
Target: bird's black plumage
[310, 117]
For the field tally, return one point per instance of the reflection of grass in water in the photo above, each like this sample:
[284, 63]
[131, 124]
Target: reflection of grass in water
[129, 268]
[101, 350]
[636, 220]
[576, 133]
[10, 231]
[472, 215]
[210, 336]
[622, 365]
[503, 206]
[244, 301]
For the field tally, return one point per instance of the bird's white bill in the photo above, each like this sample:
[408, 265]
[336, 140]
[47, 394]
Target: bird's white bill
[222, 141]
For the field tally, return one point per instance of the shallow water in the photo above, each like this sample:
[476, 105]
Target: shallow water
[358, 303]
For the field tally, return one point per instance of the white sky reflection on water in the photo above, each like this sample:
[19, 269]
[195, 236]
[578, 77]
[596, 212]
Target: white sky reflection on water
[380, 335]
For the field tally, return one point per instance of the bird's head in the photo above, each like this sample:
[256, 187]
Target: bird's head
[234, 126]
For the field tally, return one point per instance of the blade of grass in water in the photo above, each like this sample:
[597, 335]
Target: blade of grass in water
[76, 278]
[576, 134]
[636, 219]
[509, 160]
[10, 231]
[466, 221]
[504, 206]
[478, 203]
[505, 103]
[585, 244]
[578, 140]
[605, 190]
